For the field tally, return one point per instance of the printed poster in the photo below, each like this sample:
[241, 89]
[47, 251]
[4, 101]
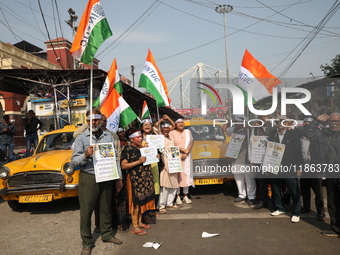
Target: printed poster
[105, 164]
[174, 159]
[155, 141]
[273, 157]
[151, 155]
[258, 149]
[234, 146]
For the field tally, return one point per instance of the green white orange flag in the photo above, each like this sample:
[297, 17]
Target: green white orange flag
[112, 81]
[152, 80]
[117, 111]
[256, 75]
[92, 31]
[145, 111]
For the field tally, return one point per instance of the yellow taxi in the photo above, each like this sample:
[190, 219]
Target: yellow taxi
[45, 176]
[210, 165]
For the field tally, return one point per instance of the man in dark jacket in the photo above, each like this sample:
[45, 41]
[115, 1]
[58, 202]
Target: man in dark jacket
[263, 181]
[7, 131]
[292, 160]
[311, 180]
[32, 124]
[328, 140]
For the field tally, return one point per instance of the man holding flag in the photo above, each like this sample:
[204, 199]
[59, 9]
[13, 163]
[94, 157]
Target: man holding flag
[92, 31]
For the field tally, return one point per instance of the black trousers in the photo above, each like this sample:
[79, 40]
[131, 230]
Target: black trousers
[316, 185]
[333, 202]
[263, 187]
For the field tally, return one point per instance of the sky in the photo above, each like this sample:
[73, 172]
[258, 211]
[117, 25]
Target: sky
[182, 33]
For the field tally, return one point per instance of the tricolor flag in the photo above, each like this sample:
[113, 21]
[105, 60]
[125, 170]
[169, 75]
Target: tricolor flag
[152, 80]
[92, 31]
[112, 81]
[117, 111]
[145, 111]
[256, 75]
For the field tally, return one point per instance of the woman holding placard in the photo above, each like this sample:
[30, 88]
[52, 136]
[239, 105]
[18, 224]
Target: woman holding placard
[140, 184]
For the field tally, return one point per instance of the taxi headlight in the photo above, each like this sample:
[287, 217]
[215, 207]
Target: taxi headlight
[69, 168]
[4, 172]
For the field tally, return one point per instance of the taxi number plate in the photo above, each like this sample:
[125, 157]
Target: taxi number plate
[35, 198]
[208, 181]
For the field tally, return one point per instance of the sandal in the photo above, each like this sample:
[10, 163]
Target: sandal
[144, 226]
[138, 232]
[162, 210]
[173, 207]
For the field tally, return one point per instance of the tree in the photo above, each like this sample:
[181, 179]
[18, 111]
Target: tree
[332, 69]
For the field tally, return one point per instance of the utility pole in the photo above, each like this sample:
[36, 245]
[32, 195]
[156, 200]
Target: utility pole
[224, 9]
[71, 22]
[133, 75]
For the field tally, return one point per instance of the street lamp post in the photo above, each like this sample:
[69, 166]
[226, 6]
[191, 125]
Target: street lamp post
[224, 9]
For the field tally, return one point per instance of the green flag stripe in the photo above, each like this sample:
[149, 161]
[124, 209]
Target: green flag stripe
[126, 117]
[145, 82]
[98, 35]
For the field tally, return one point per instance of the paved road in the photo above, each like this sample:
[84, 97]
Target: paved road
[52, 228]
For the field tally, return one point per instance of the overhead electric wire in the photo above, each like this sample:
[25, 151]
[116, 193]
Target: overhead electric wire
[8, 26]
[35, 18]
[29, 35]
[130, 27]
[48, 33]
[291, 18]
[202, 45]
[335, 7]
[17, 16]
[248, 7]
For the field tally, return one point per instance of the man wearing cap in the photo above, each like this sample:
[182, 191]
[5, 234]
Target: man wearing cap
[89, 192]
[245, 181]
[292, 160]
[311, 182]
[328, 140]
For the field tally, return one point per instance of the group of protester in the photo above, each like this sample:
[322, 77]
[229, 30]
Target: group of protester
[141, 188]
[7, 131]
[305, 171]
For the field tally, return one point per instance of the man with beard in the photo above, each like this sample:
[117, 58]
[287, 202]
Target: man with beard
[89, 191]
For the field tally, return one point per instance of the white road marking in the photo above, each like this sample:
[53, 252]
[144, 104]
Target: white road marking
[230, 216]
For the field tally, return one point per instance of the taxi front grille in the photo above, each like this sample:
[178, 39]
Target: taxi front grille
[35, 178]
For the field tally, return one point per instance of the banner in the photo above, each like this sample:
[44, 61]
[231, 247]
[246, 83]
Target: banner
[234, 146]
[155, 141]
[258, 149]
[174, 159]
[105, 164]
[151, 155]
[273, 157]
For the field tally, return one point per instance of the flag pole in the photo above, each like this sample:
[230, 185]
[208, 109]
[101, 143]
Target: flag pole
[91, 93]
[157, 112]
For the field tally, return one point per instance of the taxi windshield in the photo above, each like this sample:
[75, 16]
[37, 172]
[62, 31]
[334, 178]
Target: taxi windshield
[207, 132]
[58, 141]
